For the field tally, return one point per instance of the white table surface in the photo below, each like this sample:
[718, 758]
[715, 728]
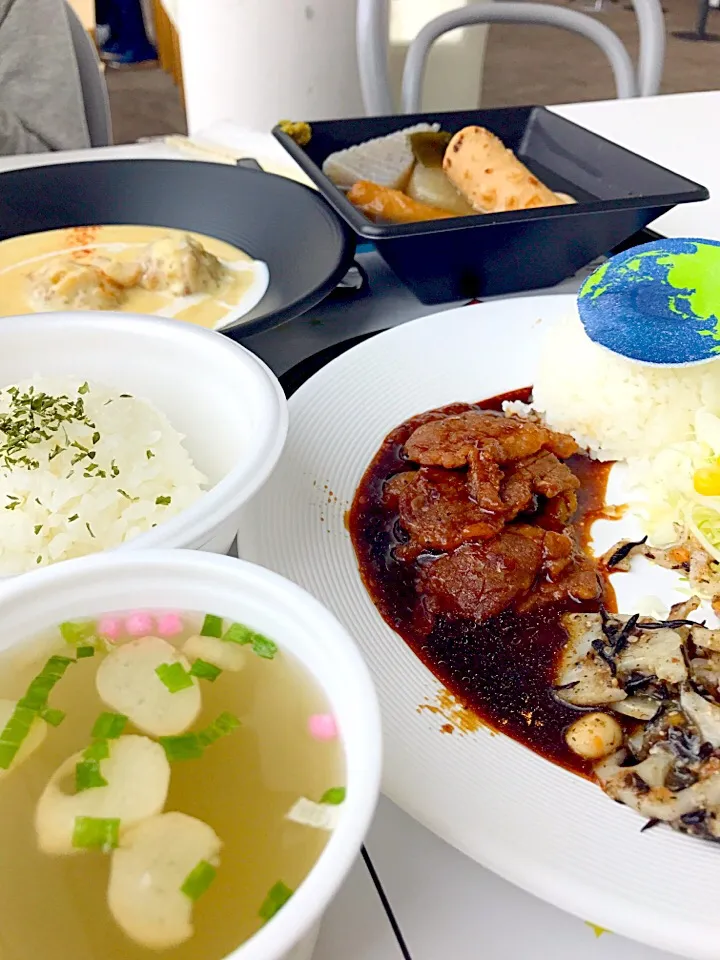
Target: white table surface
[441, 904]
[681, 132]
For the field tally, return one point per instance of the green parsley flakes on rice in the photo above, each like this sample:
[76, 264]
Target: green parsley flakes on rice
[84, 468]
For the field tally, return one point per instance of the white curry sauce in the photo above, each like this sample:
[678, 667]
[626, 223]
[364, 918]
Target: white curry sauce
[242, 288]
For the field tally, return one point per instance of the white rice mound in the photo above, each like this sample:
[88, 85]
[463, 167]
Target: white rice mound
[63, 509]
[617, 408]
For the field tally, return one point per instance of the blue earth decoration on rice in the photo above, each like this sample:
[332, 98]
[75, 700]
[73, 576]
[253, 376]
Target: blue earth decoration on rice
[657, 303]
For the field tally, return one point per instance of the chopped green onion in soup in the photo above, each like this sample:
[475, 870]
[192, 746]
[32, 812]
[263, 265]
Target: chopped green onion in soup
[109, 725]
[88, 776]
[205, 671]
[212, 626]
[52, 716]
[187, 746]
[174, 676]
[99, 750]
[96, 833]
[334, 795]
[198, 880]
[240, 634]
[76, 632]
[190, 746]
[278, 895]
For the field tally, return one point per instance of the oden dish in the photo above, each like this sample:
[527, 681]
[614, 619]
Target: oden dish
[149, 270]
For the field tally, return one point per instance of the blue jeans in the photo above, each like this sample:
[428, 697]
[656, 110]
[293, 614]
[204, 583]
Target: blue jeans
[128, 41]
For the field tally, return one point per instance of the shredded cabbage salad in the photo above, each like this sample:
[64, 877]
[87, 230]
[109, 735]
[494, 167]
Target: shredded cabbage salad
[665, 497]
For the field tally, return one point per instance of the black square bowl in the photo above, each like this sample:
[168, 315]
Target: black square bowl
[618, 193]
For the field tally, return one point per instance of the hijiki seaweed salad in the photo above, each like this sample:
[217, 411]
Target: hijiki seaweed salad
[662, 679]
[472, 531]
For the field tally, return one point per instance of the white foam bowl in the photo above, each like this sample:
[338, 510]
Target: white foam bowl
[265, 601]
[226, 402]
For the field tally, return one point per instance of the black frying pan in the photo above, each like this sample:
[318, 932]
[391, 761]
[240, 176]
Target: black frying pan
[306, 246]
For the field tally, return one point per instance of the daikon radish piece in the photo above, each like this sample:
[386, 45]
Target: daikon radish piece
[431, 186]
[321, 816]
[490, 176]
[151, 891]
[387, 161]
[221, 653]
[128, 681]
[138, 776]
[34, 739]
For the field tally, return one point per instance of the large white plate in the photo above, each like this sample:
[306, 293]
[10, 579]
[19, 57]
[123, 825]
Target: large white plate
[552, 833]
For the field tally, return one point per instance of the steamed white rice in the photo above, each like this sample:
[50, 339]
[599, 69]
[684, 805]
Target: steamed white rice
[135, 473]
[617, 408]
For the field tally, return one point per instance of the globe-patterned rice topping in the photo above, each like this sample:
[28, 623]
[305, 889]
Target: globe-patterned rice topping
[657, 303]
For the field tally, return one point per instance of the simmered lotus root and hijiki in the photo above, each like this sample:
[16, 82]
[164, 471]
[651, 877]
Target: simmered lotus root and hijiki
[662, 679]
[179, 265]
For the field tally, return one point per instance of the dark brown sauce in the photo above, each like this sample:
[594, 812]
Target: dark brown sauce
[502, 670]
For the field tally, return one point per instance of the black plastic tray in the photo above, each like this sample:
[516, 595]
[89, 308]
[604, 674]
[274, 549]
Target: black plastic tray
[304, 370]
[618, 193]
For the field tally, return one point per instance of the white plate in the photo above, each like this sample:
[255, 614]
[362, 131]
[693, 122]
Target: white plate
[547, 830]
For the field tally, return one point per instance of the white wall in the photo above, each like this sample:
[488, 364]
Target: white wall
[86, 11]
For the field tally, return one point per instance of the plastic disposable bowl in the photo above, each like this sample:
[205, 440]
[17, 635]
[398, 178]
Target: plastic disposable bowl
[265, 601]
[227, 403]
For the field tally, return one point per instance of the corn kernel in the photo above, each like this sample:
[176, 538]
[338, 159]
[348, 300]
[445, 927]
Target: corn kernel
[707, 481]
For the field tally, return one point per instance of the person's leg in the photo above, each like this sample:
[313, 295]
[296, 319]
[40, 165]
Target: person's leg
[128, 41]
[101, 11]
